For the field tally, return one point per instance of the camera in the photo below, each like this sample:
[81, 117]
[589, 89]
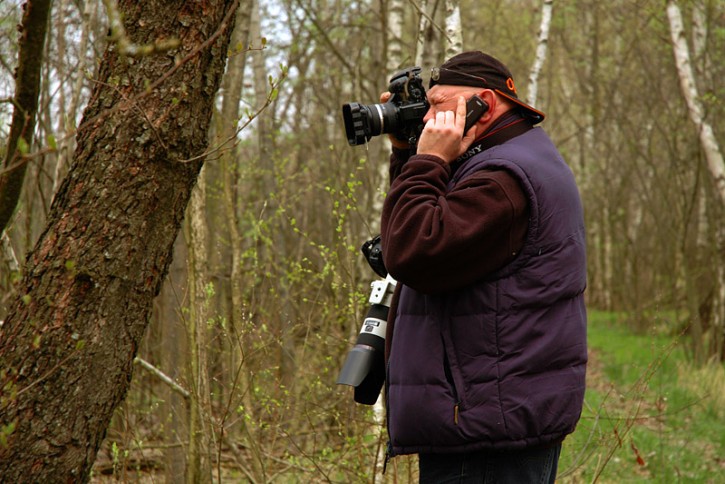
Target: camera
[364, 367]
[373, 252]
[402, 116]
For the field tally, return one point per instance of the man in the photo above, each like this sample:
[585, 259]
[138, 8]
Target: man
[486, 339]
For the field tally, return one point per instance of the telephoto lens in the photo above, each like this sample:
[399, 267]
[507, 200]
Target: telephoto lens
[364, 367]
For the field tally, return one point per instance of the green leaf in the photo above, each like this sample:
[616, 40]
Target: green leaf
[23, 147]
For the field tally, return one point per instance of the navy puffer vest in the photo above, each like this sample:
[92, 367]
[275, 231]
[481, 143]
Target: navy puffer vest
[501, 364]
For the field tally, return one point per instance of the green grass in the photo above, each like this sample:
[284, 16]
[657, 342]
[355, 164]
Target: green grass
[649, 415]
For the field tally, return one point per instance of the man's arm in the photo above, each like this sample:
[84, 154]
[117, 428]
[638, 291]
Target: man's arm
[434, 241]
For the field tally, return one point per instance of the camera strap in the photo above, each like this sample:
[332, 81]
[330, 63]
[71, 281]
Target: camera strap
[511, 126]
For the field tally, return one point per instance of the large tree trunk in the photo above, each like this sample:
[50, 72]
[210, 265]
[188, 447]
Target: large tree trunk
[70, 338]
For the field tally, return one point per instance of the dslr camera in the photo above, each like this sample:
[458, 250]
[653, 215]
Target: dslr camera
[402, 116]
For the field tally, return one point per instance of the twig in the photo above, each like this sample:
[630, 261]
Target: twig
[163, 377]
[220, 147]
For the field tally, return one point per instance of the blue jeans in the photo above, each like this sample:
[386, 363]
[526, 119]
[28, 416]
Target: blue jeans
[528, 466]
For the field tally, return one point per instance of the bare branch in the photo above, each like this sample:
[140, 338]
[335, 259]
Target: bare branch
[163, 377]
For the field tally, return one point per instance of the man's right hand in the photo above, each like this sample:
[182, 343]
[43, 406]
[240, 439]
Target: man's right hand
[443, 134]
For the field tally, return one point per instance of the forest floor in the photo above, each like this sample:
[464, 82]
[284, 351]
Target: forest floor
[648, 417]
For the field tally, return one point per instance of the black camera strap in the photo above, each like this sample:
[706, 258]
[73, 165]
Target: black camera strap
[511, 125]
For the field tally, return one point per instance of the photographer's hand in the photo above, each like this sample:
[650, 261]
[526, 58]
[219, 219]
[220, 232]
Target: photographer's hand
[443, 134]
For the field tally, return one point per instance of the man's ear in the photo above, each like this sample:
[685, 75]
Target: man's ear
[489, 97]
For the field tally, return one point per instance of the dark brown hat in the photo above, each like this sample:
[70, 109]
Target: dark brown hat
[477, 69]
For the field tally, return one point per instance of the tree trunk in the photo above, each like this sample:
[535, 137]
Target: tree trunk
[67, 120]
[226, 138]
[429, 35]
[454, 34]
[711, 149]
[394, 34]
[198, 463]
[708, 141]
[68, 344]
[173, 359]
[27, 81]
[541, 45]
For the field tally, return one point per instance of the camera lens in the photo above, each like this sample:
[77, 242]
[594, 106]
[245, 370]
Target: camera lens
[354, 127]
[363, 122]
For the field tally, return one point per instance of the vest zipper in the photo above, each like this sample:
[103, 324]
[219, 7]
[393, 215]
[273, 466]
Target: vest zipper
[389, 447]
[452, 382]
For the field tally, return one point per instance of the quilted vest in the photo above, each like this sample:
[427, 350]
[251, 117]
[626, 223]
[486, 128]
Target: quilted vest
[501, 364]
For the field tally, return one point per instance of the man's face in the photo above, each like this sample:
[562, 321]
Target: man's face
[442, 97]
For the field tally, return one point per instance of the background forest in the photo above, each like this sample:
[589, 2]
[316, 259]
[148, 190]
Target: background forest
[267, 288]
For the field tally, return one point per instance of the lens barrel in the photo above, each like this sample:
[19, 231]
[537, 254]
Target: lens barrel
[363, 122]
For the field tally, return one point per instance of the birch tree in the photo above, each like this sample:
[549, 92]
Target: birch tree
[710, 148]
[454, 35]
[429, 34]
[541, 45]
[685, 72]
[395, 53]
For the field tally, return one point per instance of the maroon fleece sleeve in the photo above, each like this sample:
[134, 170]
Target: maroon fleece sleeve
[435, 240]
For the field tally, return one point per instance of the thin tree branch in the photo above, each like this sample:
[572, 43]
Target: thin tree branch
[163, 377]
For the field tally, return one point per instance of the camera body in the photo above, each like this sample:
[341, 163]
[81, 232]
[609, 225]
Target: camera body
[402, 116]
